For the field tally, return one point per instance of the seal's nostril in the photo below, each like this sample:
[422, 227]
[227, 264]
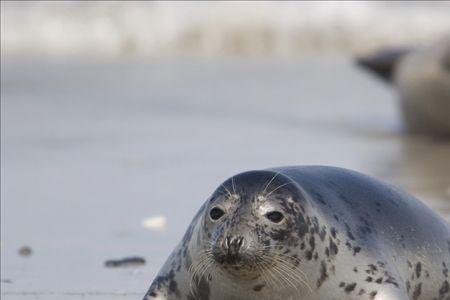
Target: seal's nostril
[233, 245]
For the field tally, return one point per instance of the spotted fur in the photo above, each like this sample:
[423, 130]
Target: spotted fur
[343, 235]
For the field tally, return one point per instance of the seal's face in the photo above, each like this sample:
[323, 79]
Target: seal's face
[251, 222]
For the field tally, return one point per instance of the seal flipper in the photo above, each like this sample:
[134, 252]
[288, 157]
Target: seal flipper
[384, 62]
[155, 296]
[157, 292]
[164, 288]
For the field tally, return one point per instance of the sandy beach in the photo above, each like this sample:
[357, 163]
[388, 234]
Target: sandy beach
[91, 147]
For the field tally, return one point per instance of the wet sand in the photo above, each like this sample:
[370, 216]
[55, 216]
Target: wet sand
[91, 148]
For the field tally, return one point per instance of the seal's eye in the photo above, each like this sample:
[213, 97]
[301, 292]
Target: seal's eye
[275, 216]
[216, 213]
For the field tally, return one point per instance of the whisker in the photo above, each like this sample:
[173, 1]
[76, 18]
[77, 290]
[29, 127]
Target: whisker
[229, 193]
[289, 267]
[272, 179]
[279, 187]
[264, 248]
[288, 258]
[270, 273]
[192, 277]
[205, 269]
[288, 263]
[194, 268]
[291, 273]
[292, 270]
[266, 275]
[232, 184]
[284, 276]
[199, 269]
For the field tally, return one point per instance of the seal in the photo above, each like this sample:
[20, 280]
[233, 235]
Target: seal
[422, 80]
[309, 232]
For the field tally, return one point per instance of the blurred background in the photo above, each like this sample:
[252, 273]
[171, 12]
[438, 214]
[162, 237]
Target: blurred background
[118, 119]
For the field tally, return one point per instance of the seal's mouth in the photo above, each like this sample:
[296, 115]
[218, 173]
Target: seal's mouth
[241, 266]
[230, 260]
[238, 267]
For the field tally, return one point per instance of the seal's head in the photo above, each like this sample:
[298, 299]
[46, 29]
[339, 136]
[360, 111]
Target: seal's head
[252, 222]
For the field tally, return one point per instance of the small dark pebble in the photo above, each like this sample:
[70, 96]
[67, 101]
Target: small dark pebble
[6, 280]
[25, 251]
[134, 261]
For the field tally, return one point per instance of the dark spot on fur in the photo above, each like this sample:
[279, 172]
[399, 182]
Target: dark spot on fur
[333, 232]
[417, 291]
[168, 282]
[258, 287]
[323, 274]
[350, 287]
[349, 232]
[418, 269]
[323, 233]
[445, 288]
[279, 234]
[333, 248]
[409, 264]
[312, 243]
[308, 254]
[391, 280]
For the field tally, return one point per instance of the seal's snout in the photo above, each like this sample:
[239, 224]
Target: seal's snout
[230, 251]
[232, 245]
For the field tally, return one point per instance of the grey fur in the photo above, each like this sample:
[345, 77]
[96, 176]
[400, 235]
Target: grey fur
[423, 82]
[422, 79]
[344, 235]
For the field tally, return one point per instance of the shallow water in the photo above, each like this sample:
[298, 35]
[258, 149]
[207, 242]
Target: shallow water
[90, 148]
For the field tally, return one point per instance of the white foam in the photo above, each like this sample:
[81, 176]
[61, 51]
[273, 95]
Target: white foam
[215, 28]
[156, 223]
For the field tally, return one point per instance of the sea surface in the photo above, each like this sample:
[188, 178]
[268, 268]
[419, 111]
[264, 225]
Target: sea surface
[218, 28]
[91, 147]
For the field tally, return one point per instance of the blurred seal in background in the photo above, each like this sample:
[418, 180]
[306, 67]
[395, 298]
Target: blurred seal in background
[422, 78]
